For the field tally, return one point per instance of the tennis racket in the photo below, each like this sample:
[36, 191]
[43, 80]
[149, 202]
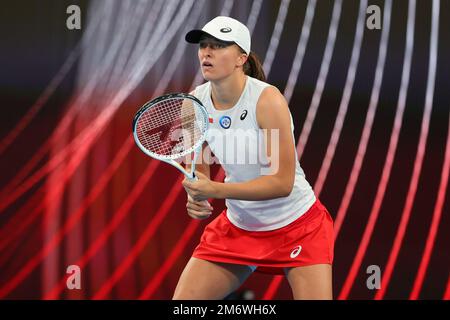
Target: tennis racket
[170, 128]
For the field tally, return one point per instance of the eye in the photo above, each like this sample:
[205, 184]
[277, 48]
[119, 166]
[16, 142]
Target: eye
[220, 45]
[213, 45]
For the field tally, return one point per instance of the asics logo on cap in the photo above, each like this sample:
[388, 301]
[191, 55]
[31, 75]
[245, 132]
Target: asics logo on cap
[225, 30]
[296, 252]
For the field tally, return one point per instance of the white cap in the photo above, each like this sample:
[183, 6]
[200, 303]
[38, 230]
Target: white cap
[225, 29]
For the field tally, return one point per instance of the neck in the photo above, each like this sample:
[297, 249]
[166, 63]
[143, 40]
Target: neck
[225, 93]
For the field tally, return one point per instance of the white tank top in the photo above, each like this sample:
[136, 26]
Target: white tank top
[228, 130]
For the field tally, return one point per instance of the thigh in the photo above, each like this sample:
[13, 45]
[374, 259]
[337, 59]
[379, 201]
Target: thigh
[311, 282]
[203, 280]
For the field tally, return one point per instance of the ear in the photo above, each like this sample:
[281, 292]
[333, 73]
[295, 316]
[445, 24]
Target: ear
[241, 60]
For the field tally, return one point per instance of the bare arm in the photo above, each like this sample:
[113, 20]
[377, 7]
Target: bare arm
[199, 209]
[202, 164]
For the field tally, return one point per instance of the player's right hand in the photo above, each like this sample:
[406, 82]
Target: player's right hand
[198, 209]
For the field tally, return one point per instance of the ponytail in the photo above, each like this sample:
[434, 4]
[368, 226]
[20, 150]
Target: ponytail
[253, 67]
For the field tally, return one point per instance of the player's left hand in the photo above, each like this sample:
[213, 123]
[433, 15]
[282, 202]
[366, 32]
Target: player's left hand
[201, 189]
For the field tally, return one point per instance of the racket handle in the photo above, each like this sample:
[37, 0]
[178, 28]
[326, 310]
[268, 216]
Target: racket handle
[194, 179]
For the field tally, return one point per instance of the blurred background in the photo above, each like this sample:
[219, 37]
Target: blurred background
[371, 113]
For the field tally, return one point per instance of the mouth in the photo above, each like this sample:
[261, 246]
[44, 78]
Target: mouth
[207, 64]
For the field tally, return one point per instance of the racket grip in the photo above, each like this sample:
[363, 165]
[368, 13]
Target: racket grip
[194, 177]
[205, 202]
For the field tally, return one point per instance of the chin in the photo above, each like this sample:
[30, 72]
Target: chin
[208, 77]
[212, 77]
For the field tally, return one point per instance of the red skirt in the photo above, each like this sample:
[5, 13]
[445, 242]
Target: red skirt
[307, 241]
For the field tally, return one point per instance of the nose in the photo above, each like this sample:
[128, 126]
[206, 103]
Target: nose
[205, 52]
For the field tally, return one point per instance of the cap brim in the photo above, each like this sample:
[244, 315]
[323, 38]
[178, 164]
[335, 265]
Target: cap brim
[194, 36]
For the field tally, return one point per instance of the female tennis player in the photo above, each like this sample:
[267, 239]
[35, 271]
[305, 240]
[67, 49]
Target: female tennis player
[273, 223]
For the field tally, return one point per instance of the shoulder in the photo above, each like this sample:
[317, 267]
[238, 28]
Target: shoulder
[271, 105]
[271, 98]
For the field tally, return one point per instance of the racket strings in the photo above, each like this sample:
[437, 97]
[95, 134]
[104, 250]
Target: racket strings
[170, 127]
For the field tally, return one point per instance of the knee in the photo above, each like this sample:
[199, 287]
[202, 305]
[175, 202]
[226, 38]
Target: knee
[190, 295]
[184, 293]
[178, 294]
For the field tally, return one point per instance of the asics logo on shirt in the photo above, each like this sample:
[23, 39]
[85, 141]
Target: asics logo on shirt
[244, 114]
[296, 252]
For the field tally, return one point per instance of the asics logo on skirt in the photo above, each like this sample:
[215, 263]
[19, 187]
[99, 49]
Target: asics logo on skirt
[296, 252]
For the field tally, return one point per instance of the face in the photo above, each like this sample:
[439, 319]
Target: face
[219, 59]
